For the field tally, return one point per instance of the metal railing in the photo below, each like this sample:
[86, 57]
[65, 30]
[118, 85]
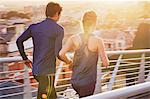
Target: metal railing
[139, 91]
[129, 70]
[123, 71]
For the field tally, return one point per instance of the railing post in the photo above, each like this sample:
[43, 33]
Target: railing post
[3, 53]
[112, 79]
[148, 77]
[142, 68]
[27, 87]
[58, 73]
[98, 87]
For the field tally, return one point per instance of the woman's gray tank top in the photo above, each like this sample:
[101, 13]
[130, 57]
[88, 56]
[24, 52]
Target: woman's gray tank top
[84, 65]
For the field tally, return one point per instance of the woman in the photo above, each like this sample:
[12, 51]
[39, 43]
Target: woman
[87, 48]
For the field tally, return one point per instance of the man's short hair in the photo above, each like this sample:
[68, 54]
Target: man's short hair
[52, 8]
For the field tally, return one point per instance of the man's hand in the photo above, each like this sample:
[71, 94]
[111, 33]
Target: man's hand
[28, 63]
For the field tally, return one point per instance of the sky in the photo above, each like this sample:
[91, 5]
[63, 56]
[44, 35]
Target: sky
[20, 3]
[13, 2]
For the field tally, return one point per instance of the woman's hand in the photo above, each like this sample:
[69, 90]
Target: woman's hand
[70, 64]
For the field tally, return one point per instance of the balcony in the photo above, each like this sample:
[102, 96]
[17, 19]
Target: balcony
[127, 77]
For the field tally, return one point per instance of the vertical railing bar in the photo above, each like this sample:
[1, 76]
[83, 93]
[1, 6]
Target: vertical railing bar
[114, 73]
[27, 87]
[98, 86]
[58, 73]
[142, 68]
[148, 77]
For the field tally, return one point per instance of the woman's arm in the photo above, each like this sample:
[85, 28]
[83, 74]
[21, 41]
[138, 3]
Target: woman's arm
[102, 53]
[66, 48]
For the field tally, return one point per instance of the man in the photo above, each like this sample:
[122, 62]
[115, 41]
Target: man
[87, 48]
[47, 41]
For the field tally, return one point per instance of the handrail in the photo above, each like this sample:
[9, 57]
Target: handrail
[12, 59]
[128, 51]
[18, 58]
[123, 93]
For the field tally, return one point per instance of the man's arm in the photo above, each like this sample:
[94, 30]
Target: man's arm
[102, 53]
[66, 48]
[26, 35]
[58, 42]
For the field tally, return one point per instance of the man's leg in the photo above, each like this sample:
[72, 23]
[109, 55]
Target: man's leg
[46, 88]
[51, 90]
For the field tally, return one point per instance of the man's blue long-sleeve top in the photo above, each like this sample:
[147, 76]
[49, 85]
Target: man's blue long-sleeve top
[47, 39]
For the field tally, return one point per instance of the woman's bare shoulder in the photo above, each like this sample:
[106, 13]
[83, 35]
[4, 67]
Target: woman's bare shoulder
[97, 38]
[75, 37]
